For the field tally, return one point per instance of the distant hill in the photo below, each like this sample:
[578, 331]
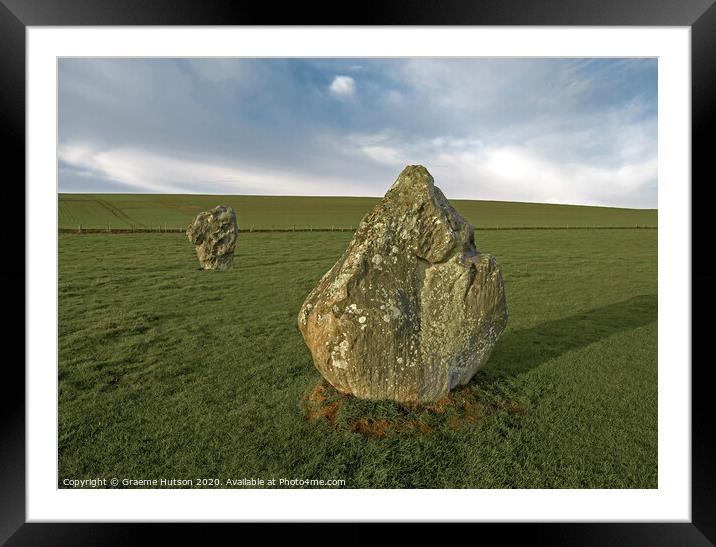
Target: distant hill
[302, 212]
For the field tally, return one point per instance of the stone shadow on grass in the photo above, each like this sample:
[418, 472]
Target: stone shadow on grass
[522, 350]
[516, 352]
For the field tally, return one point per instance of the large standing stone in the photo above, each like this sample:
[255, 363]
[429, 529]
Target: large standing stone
[412, 308]
[214, 234]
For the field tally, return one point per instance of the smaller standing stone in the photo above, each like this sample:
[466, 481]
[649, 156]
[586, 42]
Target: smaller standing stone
[214, 233]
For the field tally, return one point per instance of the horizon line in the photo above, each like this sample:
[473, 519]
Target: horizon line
[344, 196]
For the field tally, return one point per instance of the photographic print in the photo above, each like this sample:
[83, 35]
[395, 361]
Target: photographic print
[367, 273]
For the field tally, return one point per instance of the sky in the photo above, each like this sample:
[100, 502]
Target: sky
[577, 131]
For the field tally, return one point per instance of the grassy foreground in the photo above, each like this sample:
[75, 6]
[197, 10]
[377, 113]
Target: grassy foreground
[152, 211]
[166, 371]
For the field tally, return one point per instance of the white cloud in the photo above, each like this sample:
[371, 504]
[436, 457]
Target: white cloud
[343, 86]
[463, 169]
[385, 154]
[157, 172]
[377, 147]
[563, 131]
[471, 169]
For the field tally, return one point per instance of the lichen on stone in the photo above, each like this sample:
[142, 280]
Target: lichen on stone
[214, 234]
[439, 303]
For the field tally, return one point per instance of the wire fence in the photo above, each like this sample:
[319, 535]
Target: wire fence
[173, 230]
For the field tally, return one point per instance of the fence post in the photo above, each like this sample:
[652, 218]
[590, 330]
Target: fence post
[79, 230]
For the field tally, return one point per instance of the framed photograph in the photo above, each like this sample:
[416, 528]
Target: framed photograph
[429, 265]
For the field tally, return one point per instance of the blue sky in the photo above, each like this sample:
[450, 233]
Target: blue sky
[581, 131]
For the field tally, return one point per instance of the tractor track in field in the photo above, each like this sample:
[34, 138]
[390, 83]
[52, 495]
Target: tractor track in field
[117, 212]
[114, 211]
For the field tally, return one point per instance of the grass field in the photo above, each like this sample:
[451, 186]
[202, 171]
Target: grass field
[167, 371]
[151, 211]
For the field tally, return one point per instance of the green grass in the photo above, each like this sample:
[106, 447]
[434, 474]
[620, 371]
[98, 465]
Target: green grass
[169, 371]
[286, 212]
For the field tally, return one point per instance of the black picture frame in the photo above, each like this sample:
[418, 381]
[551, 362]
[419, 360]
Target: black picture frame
[699, 15]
